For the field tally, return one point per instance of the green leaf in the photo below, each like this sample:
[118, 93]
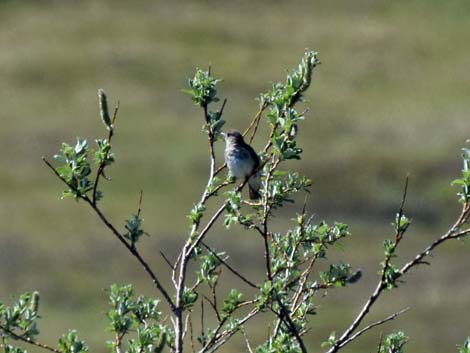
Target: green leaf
[69, 343]
[465, 348]
[134, 229]
[337, 275]
[189, 298]
[202, 88]
[231, 302]
[393, 343]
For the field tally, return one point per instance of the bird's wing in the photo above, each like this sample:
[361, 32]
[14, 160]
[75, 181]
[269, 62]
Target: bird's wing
[254, 156]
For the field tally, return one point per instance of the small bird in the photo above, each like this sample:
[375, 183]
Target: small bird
[242, 161]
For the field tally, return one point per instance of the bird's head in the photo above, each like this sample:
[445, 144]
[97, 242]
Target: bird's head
[233, 137]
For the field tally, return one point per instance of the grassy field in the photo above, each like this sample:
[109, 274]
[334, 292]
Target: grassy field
[390, 98]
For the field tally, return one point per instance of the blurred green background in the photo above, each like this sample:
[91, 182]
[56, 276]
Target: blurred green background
[390, 98]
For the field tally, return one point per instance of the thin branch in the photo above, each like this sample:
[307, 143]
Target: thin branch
[399, 231]
[136, 254]
[191, 334]
[379, 346]
[218, 187]
[270, 140]
[202, 318]
[371, 326]
[214, 307]
[214, 343]
[30, 341]
[285, 316]
[118, 341]
[230, 268]
[255, 123]
[247, 342]
[266, 212]
[196, 285]
[214, 299]
[380, 286]
[166, 260]
[121, 238]
[210, 223]
[102, 165]
[186, 325]
[222, 167]
[221, 110]
[362, 314]
[222, 322]
[225, 335]
[303, 280]
[452, 233]
[139, 208]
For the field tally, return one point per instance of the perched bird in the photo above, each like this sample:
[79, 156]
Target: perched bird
[243, 161]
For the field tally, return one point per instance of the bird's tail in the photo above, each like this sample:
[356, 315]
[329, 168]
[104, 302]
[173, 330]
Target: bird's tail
[254, 184]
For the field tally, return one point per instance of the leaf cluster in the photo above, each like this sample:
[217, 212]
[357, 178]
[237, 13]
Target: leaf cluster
[69, 343]
[202, 88]
[465, 347]
[20, 318]
[393, 343]
[75, 168]
[464, 181]
[280, 101]
[138, 315]
[134, 229]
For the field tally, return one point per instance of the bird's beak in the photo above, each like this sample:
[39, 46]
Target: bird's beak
[223, 134]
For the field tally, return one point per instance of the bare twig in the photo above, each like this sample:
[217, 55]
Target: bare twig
[229, 267]
[452, 233]
[399, 231]
[166, 260]
[221, 110]
[29, 340]
[191, 334]
[204, 231]
[379, 346]
[218, 187]
[186, 325]
[248, 346]
[214, 307]
[371, 326]
[214, 299]
[121, 238]
[303, 281]
[255, 123]
[139, 207]
[202, 318]
[380, 286]
[226, 334]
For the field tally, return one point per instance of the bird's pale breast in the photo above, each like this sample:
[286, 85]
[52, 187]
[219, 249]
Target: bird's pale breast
[239, 162]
